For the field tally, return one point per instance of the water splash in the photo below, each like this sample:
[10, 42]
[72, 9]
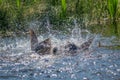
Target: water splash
[17, 59]
[76, 32]
[48, 25]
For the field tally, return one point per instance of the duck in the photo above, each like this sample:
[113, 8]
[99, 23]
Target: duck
[72, 48]
[43, 47]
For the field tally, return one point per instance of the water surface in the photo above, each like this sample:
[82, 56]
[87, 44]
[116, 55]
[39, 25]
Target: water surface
[18, 62]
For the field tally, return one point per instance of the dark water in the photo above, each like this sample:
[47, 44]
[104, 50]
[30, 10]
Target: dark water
[18, 62]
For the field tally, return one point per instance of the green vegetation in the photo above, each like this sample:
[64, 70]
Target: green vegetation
[63, 5]
[16, 14]
[113, 9]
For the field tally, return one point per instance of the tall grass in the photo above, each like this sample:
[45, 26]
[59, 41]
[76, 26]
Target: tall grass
[0, 2]
[113, 9]
[59, 11]
[54, 2]
[35, 0]
[18, 3]
[3, 21]
[64, 8]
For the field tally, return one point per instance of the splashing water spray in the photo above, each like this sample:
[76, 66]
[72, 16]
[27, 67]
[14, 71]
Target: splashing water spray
[76, 32]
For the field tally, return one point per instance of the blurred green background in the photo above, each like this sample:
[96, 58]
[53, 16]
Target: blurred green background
[16, 15]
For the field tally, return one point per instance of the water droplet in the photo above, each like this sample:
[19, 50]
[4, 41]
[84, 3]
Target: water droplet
[85, 78]
[54, 75]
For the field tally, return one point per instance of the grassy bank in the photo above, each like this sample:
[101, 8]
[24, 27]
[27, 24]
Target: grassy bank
[15, 15]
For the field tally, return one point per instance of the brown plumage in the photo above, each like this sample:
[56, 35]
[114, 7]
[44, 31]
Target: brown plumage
[43, 47]
[34, 40]
[73, 48]
[86, 44]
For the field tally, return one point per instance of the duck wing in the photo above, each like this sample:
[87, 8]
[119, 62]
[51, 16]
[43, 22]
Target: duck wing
[43, 47]
[86, 44]
[34, 40]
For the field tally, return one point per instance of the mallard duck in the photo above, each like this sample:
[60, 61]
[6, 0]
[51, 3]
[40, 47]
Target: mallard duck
[73, 48]
[43, 47]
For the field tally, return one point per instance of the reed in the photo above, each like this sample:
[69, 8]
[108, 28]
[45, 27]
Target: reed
[0, 2]
[59, 11]
[18, 3]
[113, 9]
[64, 8]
